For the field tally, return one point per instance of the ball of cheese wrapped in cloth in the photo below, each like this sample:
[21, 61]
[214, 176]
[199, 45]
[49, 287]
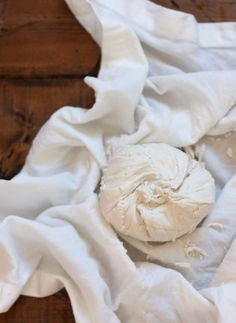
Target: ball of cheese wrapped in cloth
[155, 192]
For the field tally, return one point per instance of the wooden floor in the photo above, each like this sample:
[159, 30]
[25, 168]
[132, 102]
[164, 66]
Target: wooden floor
[44, 56]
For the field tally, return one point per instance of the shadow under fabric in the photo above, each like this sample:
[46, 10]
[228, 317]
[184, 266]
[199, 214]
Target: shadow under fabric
[163, 78]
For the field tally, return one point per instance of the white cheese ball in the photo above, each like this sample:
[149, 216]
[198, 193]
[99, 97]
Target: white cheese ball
[155, 192]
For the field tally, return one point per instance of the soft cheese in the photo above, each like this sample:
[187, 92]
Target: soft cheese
[155, 192]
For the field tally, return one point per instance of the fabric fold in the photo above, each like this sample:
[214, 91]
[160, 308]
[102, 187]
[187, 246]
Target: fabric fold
[163, 78]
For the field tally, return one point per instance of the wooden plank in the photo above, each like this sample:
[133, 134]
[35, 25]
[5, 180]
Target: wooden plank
[43, 39]
[204, 10]
[52, 309]
[24, 106]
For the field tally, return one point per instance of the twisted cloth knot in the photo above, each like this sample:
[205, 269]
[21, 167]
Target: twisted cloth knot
[151, 194]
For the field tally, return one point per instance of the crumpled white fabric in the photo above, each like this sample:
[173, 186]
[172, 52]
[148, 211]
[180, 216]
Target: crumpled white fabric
[163, 78]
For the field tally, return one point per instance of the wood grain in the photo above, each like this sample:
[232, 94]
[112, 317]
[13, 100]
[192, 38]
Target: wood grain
[44, 55]
[204, 10]
[43, 39]
[25, 106]
[52, 309]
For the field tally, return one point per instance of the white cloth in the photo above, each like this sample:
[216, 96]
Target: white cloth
[163, 78]
[155, 192]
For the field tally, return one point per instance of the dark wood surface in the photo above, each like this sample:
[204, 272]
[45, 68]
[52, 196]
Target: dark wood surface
[44, 55]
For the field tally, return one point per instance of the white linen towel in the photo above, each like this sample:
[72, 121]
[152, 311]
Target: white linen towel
[163, 78]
